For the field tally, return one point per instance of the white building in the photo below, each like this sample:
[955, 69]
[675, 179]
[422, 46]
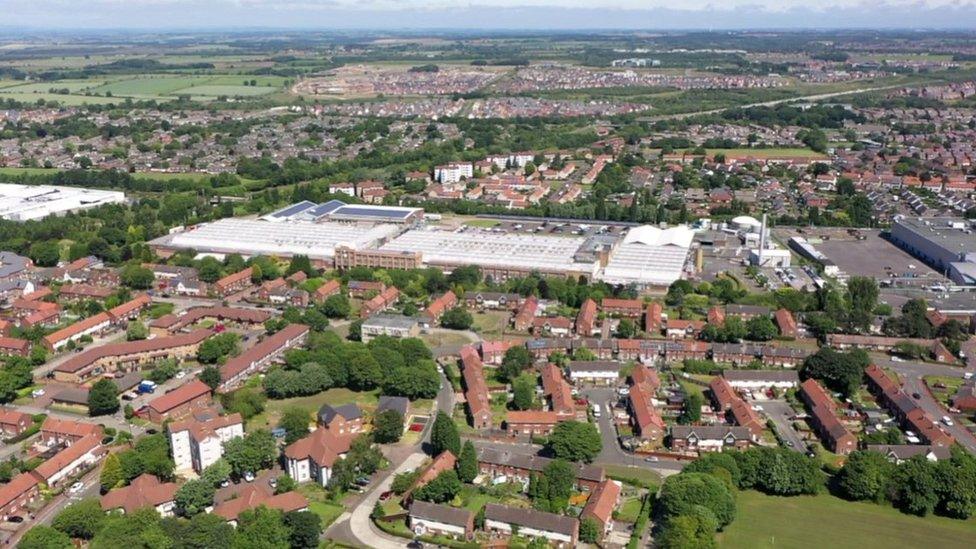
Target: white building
[28, 202]
[431, 518]
[530, 523]
[311, 458]
[752, 380]
[600, 372]
[649, 256]
[198, 442]
[452, 173]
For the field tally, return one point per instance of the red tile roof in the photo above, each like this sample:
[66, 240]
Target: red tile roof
[145, 491]
[65, 457]
[89, 356]
[77, 328]
[322, 446]
[602, 501]
[254, 496]
[179, 396]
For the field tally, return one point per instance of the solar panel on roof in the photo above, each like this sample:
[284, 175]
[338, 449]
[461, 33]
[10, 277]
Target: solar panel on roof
[289, 211]
[325, 208]
[366, 211]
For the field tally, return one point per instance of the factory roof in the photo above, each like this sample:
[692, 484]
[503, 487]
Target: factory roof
[26, 202]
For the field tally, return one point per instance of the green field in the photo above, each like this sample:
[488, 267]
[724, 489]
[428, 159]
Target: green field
[148, 86]
[337, 397]
[827, 521]
[151, 86]
[68, 100]
[209, 90]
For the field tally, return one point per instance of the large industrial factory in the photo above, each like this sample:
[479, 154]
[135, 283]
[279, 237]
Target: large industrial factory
[338, 235]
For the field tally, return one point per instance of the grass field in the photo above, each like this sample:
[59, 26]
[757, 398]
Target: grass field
[628, 472]
[827, 521]
[483, 223]
[764, 153]
[337, 397]
[491, 323]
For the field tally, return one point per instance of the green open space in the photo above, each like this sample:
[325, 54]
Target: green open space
[643, 475]
[483, 223]
[273, 409]
[828, 521]
[491, 323]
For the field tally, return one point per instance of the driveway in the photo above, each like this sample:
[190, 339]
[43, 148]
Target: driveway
[780, 412]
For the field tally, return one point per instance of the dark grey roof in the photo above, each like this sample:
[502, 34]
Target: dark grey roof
[907, 451]
[371, 211]
[324, 209]
[762, 375]
[128, 381]
[531, 462]
[441, 513]
[72, 395]
[538, 520]
[12, 264]
[593, 366]
[347, 411]
[710, 432]
[294, 209]
[400, 404]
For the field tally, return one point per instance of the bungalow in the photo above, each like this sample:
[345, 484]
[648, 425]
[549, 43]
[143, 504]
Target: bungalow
[562, 531]
[253, 496]
[432, 518]
[596, 372]
[898, 453]
[145, 491]
[128, 355]
[709, 438]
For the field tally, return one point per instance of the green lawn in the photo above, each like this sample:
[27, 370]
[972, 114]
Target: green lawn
[627, 472]
[268, 419]
[491, 323]
[483, 223]
[827, 521]
[629, 510]
[328, 511]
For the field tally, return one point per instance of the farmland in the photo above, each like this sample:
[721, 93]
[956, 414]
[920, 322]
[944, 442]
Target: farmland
[159, 87]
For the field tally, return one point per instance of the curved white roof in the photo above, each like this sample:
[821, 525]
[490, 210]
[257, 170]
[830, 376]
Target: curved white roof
[747, 220]
[652, 236]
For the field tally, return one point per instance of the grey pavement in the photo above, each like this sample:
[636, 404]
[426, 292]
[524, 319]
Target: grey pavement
[780, 412]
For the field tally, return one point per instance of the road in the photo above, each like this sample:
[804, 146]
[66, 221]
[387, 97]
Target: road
[612, 453]
[356, 526]
[780, 412]
[53, 507]
[815, 97]
[911, 374]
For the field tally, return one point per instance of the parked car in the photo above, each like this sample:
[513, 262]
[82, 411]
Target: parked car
[16, 519]
[76, 487]
[273, 482]
[947, 420]
[248, 476]
[386, 495]
[36, 393]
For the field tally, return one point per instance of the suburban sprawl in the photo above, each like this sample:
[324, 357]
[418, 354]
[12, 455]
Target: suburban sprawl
[673, 290]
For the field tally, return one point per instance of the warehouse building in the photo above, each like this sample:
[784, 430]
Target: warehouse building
[649, 256]
[946, 243]
[28, 202]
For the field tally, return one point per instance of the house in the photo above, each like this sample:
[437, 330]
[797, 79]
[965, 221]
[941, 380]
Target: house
[217, 314]
[398, 404]
[396, 326]
[525, 315]
[89, 326]
[438, 307]
[380, 302]
[644, 418]
[253, 496]
[233, 283]
[709, 438]
[262, 354]
[330, 288]
[899, 453]
[629, 308]
[965, 397]
[445, 461]
[562, 531]
[601, 504]
[475, 389]
[678, 328]
[746, 312]
[18, 495]
[312, 458]
[67, 463]
[735, 353]
[586, 318]
[435, 519]
[597, 372]
[531, 422]
[179, 402]
[760, 380]
[342, 420]
[786, 323]
[128, 355]
[558, 393]
[715, 315]
[558, 326]
[652, 317]
[492, 300]
[723, 395]
[904, 408]
[514, 466]
[197, 442]
[14, 346]
[360, 288]
[129, 310]
[64, 432]
[13, 422]
[835, 436]
[492, 352]
[145, 491]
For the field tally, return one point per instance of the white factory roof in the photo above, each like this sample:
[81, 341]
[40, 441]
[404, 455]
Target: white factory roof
[747, 221]
[251, 237]
[649, 256]
[487, 248]
[27, 202]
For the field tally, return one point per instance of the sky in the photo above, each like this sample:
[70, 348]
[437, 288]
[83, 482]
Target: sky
[485, 14]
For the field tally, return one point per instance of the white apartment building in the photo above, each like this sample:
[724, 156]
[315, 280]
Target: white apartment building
[198, 442]
[452, 173]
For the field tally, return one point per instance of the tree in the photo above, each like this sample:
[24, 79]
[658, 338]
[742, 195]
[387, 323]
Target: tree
[516, 359]
[779, 471]
[457, 318]
[404, 481]
[45, 254]
[761, 328]
[691, 408]
[589, 530]
[575, 441]
[626, 328]
[252, 452]
[44, 537]
[80, 520]
[137, 277]
[257, 275]
[916, 487]
[295, 422]
[211, 376]
[136, 330]
[523, 391]
[336, 306]
[141, 528]
[205, 531]
[864, 476]
[862, 294]
[420, 380]
[680, 493]
[838, 371]
[194, 497]
[259, 528]
[217, 472]
[364, 372]
[217, 347]
[444, 435]
[467, 463]
[103, 398]
[111, 475]
[301, 263]
[560, 476]
[692, 531]
[713, 462]
[305, 528]
[442, 489]
[387, 426]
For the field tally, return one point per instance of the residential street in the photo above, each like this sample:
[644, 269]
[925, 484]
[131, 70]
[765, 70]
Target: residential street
[780, 412]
